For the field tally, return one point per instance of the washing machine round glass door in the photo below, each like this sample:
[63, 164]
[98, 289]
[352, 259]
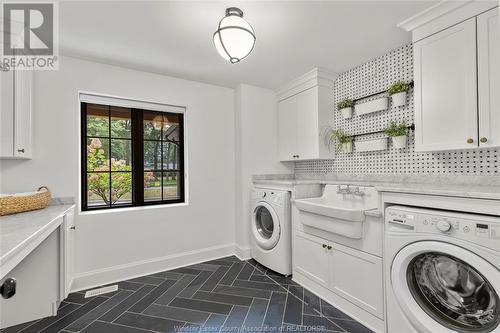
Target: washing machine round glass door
[265, 226]
[445, 288]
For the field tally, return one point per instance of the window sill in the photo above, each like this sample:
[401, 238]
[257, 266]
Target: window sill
[130, 209]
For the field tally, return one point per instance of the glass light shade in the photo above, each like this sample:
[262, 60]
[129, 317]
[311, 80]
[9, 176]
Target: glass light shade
[234, 38]
[160, 122]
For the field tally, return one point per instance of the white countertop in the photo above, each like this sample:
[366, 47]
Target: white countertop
[464, 191]
[20, 232]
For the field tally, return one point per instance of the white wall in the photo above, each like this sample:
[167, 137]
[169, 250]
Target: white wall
[133, 242]
[256, 122]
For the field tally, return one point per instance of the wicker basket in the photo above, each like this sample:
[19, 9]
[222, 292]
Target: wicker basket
[23, 202]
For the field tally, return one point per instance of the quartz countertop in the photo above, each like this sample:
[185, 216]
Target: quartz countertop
[20, 231]
[443, 189]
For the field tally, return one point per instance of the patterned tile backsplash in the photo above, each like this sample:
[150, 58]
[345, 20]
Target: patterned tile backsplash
[375, 76]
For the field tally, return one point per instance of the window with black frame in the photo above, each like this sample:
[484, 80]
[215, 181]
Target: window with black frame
[131, 157]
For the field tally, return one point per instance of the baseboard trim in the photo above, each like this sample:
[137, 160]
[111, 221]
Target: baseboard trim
[132, 270]
[243, 253]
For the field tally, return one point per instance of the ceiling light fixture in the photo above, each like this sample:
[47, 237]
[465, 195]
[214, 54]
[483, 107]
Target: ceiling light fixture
[234, 38]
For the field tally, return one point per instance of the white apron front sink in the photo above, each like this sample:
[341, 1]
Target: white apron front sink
[338, 213]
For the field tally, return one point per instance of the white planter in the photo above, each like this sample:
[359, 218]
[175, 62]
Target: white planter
[399, 99]
[347, 147]
[399, 141]
[371, 145]
[375, 105]
[346, 112]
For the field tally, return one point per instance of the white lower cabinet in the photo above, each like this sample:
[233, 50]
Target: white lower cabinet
[67, 262]
[43, 278]
[357, 276]
[354, 275]
[310, 257]
[37, 285]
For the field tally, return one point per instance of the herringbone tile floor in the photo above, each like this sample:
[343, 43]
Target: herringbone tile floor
[224, 295]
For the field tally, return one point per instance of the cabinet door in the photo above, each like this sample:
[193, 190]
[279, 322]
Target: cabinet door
[68, 268]
[446, 89]
[22, 114]
[287, 128]
[6, 113]
[37, 285]
[488, 43]
[311, 258]
[307, 124]
[357, 276]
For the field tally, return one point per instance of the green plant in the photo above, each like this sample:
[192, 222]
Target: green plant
[397, 87]
[98, 182]
[345, 103]
[336, 138]
[395, 129]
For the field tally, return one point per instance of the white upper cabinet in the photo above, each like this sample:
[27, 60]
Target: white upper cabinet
[307, 124]
[488, 51]
[287, 128]
[456, 74]
[6, 112]
[445, 89]
[15, 114]
[304, 111]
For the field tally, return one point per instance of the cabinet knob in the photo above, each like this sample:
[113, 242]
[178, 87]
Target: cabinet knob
[329, 247]
[324, 246]
[8, 288]
[470, 140]
[20, 150]
[72, 228]
[483, 140]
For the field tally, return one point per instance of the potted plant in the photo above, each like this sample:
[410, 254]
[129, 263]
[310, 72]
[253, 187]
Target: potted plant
[398, 134]
[345, 107]
[397, 91]
[339, 139]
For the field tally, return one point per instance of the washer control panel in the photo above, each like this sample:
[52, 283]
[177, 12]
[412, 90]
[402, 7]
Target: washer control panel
[480, 229]
[278, 198]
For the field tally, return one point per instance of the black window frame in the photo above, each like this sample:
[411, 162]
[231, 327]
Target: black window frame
[137, 154]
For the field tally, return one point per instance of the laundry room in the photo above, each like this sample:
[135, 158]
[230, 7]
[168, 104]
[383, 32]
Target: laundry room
[250, 166]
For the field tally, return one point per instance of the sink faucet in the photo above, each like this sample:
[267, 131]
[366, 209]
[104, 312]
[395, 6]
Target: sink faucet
[346, 189]
[357, 191]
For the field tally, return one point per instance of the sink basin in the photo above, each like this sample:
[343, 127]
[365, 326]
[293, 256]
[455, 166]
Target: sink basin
[339, 213]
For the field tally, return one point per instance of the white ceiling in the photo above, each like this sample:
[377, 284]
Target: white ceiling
[175, 37]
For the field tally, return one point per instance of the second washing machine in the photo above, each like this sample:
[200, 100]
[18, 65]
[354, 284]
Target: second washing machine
[442, 271]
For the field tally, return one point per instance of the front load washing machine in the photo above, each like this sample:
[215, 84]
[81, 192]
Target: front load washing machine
[271, 229]
[442, 271]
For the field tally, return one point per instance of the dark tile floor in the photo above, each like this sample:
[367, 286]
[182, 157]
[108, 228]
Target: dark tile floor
[224, 295]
